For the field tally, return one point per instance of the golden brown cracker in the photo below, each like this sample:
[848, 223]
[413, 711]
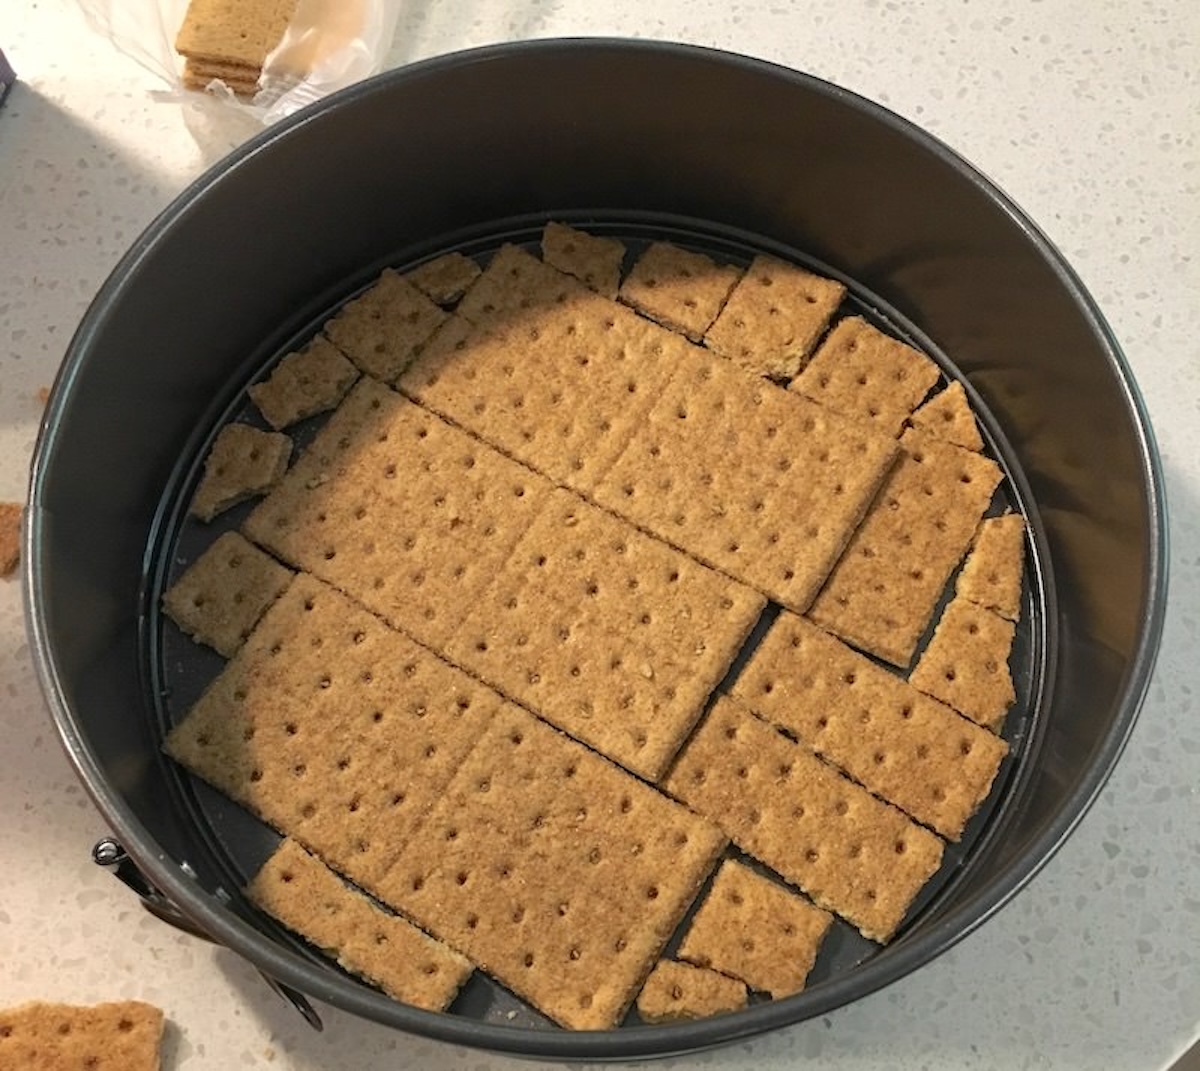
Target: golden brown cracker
[224, 592]
[306, 896]
[593, 260]
[516, 284]
[947, 415]
[41, 1036]
[239, 79]
[555, 871]
[752, 928]
[774, 317]
[10, 537]
[862, 372]
[243, 463]
[233, 31]
[965, 664]
[850, 852]
[311, 380]
[676, 992]
[883, 590]
[903, 746]
[681, 289]
[445, 278]
[994, 570]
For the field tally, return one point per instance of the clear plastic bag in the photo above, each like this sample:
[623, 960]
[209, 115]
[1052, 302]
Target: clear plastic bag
[328, 44]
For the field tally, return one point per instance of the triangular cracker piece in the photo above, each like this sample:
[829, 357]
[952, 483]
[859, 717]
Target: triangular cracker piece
[243, 462]
[676, 992]
[947, 415]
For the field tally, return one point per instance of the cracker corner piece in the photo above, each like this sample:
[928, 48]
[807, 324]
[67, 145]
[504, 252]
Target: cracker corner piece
[221, 597]
[754, 929]
[774, 317]
[947, 415]
[679, 289]
[244, 462]
[994, 570]
[446, 278]
[306, 896]
[10, 537]
[41, 1036]
[676, 992]
[385, 327]
[965, 664]
[593, 260]
[311, 380]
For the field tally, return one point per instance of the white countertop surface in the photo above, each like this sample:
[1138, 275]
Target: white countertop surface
[1087, 112]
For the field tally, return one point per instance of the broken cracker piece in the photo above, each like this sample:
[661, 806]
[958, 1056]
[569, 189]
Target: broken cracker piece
[55, 1037]
[680, 289]
[312, 380]
[594, 261]
[243, 462]
[444, 279]
[993, 572]
[10, 537]
[677, 992]
[947, 415]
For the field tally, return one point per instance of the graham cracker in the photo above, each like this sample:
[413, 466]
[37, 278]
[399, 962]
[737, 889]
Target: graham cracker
[444, 279]
[682, 290]
[860, 371]
[240, 79]
[384, 328]
[965, 665]
[243, 463]
[850, 852]
[556, 872]
[754, 929]
[515, 285]
[312, 380]
[752, 479]
[676, 992]
[612, 636]
[40, 1036]
[882, 592]
[221, 596]
[947, 415]
[993, 573]
[409, 515]
[10, 537]
[233, 31]
[306, 896]
[333, 728]
[903, 746]
[594, 261]
[774, 317]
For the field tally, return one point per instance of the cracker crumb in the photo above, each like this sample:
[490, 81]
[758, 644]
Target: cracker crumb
[10, 537]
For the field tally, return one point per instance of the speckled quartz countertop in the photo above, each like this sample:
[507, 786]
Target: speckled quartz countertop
[1087, 112]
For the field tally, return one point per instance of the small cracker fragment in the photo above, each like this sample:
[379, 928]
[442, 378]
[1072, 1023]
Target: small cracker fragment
[312, 380]
[221, 597]
[965, 665]
[446, 278]
[43, 395]
[947, 415]
[774, 317]
[594, 261]
[244, 462]
[233, 31]
[10, 537]
[41, 1036]
[861, 372]
[306, 896]
[384, 328]
[754, 929]
[678, 992]
[992, 575]
[680, 289]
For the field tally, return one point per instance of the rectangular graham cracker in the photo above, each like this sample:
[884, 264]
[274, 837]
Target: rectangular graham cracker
[678, 992]
[384, 328]
[993, 573]
[609, 634]
[555, 871]
[905, 747]
[444, 279]
[312, 380]
[221, 596]
[333, 728]
[243, 463]
[306, 896]
[947, 415]
[752, 479]
[682, 290]
[409, 515]
[965, 665]
[850, 852]
[41, 1036]
[593, 260]
[774, 317]
[10, 537]
[883, 590]
[860, 371]
[233, 31]
[754, 929]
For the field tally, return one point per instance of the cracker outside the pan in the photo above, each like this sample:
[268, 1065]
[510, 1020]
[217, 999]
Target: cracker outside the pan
[43, 1036]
